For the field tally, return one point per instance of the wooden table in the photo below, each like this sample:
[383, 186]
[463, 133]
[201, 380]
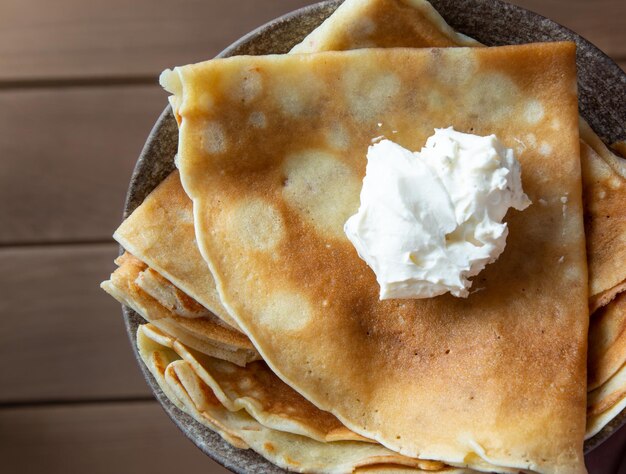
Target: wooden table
[78, 96]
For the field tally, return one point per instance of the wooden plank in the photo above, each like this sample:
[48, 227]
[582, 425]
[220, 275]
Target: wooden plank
[67, 156]
[105, 38]
[74, 38]
[61, 336]
[98, 439]
[599, 21]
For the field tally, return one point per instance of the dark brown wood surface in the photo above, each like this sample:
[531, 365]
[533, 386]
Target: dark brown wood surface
[78, 96]
[68, 39]
[67, 155]
[97, 438]
[68, 339]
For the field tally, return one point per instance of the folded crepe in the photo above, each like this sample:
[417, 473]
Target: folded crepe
[206, 334]
[289, 277]
[607, 342]
[160, 233]
[605, 229]
[607, 369]
[169, 295]
[285, 430]
[616, 161]
[605, 220]
[256, 390]
[606, 402]
[359, 24]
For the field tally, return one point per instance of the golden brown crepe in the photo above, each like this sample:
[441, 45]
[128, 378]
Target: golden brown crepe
[606, 402]
[603, 192]
[259, 392]
[382, 24]
[182, 375]
[605, 225]
[169, 296]
[605, 229]
[607, 342]
[616, 162]
[206, 334]
[357, 23]
[160, 232]
[284, 269]
[607, 372]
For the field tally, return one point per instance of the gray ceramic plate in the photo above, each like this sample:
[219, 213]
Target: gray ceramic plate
[602, 88]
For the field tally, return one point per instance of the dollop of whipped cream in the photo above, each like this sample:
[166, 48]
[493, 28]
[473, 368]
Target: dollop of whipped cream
[430, 220]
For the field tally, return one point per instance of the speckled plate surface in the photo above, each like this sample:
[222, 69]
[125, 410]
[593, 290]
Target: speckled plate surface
[602, 91]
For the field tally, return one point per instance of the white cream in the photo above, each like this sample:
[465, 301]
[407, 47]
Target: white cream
[430, 220]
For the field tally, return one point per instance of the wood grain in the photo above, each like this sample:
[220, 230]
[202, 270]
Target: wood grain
[135, 438]
[106, 38]
[67, 156]
[599, 21]
[61, 336]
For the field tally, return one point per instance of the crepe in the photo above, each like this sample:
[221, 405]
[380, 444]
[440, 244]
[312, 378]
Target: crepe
[169, 296]
[616, 162]
[382, 24]
[605, 222]
[606, 402]
[206, 334]
[343, 29]
[160, 233]
[256, 390]
[286, 273]
[605, 228]
[603, 191]
[607, 342]
[177, 370]
[607, 372]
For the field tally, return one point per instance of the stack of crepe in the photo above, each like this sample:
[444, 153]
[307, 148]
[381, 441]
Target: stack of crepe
[264, 324]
